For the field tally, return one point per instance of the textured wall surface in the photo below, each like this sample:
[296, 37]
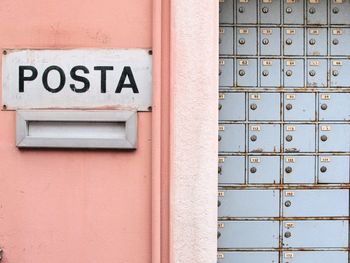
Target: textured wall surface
[65, 205]
[194, 130]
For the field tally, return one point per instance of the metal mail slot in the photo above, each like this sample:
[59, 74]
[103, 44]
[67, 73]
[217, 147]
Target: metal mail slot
[248, 234]
[262, 203]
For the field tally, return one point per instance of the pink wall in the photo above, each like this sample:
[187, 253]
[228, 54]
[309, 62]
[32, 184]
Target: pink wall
[75, 206]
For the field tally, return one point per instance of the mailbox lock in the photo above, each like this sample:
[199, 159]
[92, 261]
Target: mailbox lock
[241, 9]
[220, 106]
[265, 41]
[289, 10]
[253, 106]
[335, 73]
[265, 9]
[289, 106]
[219, 137]
[324, 106]
[265, 73]
[241, 72]
[335, 41]
[241, 41]
[312, 10]
[312, 73]
[253, 138]
[289, 73]
[288, 203]
[289, 138]
[220, 40]
[288, 169]
[253, 170]
[323, 169]
[324, 138]
[219, 203]
[220, 72]
[219, 234]
[289, 41]
[335, 10]
[219, 169]
[287, 234]
[312, 41]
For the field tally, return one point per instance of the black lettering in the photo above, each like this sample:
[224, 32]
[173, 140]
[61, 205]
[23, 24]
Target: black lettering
[73, 74]
[127, 72]
[22, 78]
[62, 79]
[103, 70]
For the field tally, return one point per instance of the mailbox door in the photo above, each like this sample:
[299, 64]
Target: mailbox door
[262, 203]
[270, 12]
[340, 38]
[264, 170]
[317, 39]
[270, 70]
[246, 41]
[317, 73]
[264, 138]
[246, 11]
[231, 170]
[226, 11]
[317, 12]
[334, 106]
[247, 72]
[340, 12]
[264, 106]
[299, 169]
[334, 138]
[299, 107]
[333, 169]
[340, 76]
[293, 73]
[225, 72]
[270, 41]
[293, 12]
[315, 256]
[231, 106]
[248, 234]
[299, 138]
[293, 41]
[232, 138]
[226, 41]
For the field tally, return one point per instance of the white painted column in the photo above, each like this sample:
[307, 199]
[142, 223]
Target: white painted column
[194, 122]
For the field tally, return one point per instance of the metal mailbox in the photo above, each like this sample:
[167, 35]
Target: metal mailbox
[226, 40]
[226, 11]
[315, 256]
[334, 106]
[262, 203]
[270, 70]
[246, 11]
[264, 138]
[293, 12]
[231, 170]
[299, 138]
[294, 73]
[317, 73]
[225, 72]
[334, 137]
[333, 169]
[299, 169]
[340, 76]
[270, 12]
[231, 106]
[246, 41]
[232, 138]
[317, 39]
[247, 72]
[340, 38]
[299, 107]
[270, 41]
[264, 106]
[293, 41]
[264, 170]
[248, 234]
[317, 12]
[340, 12]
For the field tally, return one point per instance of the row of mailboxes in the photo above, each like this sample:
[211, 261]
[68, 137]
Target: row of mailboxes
[286, 72]
[256, 138]
[294, 203]
[295, 234]
[287, 257]
[289, 42]
[287, 106]
[288, 169]
[287, 11]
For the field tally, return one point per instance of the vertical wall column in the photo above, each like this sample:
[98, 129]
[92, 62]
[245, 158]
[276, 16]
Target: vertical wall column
[194, 67]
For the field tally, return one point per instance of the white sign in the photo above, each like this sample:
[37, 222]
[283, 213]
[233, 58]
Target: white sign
[77, 79]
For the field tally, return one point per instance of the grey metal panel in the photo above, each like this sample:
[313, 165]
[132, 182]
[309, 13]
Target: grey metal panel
[340, 38]
[316, 234]
[333, 169]
[231, 170]
[299, 169]
[76, 129]
[231, 106]
[264, 138]
[270, 12]
[226, 72]
[226, 11]
[299, 138]
[340, 12]
[247, 257]
[299, 106]
[315, 203]
[293, 11]
[334, 106]
[264, 170]
[232, 138]
[317, 39]
[315, 256]
[226, 40]
[294, 73]
[334, 138]
[317, 70]
[247, 72]
[249, 203]
[249, 234]
[246, 41]
[317, 12]
[270, 70]
[293, 41]
[264, 106]
[270, 41]
[246, 11]
[340, 72]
